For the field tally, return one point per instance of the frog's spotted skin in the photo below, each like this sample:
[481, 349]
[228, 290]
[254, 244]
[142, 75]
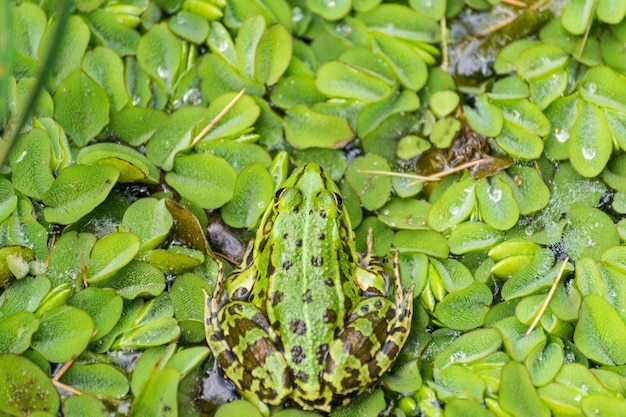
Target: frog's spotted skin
[300, 319]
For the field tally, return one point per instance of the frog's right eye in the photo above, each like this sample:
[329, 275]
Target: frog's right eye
[279, 193]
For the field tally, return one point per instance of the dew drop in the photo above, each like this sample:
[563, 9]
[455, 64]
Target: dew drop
[588, 153]
[591, 87]
[163, 72]
[495, 194]
[561, 135]
[515, 114]
[297, 14]
[330, 4]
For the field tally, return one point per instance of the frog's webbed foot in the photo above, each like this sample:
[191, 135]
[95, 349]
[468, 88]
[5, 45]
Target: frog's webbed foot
[243, 344]
[375, 332]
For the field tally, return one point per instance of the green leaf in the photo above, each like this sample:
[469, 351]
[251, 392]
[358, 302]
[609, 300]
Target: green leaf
[149, 219]
[404, 378]
[81, 107]
[531, 277]
[135, 125]
[25, 388]
[405, 213]
[24, 295]
[82, 405]
[158, 395]
[600, 332]
[189, 26]
[517, 344]
[77, 190]
[273, 54]
[589, 143]
[16, 331]
[29, 160]
[66, 263]
[336, 79]
[374, 114]
[110, 254]
[158, 53]
[469, 347]
[517, 393]
[518, 142]
[401, 22]
[455, 381]
[486, 119]
[132, 164]
[589, 233]
[137, 279]
[205, 179]
[330, 11]
[577, 16]
[106, 68]
[157, 332]
[507, 59]
[464, 309]
[373, 190]
[305, 128]
[239, 118]
[64, 332]
[544, 363]
[496, 203]
[253, 190]
[473, 236]
[404, 59]
[425, 241]
[69, 51]
[541, 60]
[238, 407]
[453, 206]
[103, 305]
[603, 405]
[113, 34]
[97, 379]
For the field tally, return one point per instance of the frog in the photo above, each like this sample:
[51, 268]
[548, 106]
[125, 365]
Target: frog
[304, 319]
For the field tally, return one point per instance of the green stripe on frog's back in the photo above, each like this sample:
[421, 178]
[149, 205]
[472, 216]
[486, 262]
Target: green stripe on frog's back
[307, 300]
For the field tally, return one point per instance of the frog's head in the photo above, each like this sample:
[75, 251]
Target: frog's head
[309, 188]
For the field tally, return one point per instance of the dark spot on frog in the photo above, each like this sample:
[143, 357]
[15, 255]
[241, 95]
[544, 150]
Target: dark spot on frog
[374, 369]
[286, 265]
[298, 242]
[297, 355]
[240, 293]
[378, 304]
[330, 316]
[276, 297]
[352, 380]
[285, 236]
[365, 309]
[301, 376]
[307, 297]
[321, 236]
[317, 261]
[261, 320]
[321, 353]
[329, 282]
[298, 327]
[323, 214]
[311, 212]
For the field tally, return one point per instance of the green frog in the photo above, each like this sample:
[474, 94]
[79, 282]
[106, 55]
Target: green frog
[303, 318]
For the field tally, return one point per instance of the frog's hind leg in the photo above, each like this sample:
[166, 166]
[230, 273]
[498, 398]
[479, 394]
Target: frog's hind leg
[375, 332]
[243, 343]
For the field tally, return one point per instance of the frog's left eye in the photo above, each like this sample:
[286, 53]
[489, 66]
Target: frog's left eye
[338, 200]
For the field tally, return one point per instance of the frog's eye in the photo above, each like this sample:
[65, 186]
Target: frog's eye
[279, 193]
[338, 200]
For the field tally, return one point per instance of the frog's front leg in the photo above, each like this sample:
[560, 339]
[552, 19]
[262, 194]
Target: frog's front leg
[243, 343]
[371, 341]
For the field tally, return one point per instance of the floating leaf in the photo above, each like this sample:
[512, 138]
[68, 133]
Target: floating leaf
[453, 206]
[239, 117]
[600, 332]
[373, 190]
[403, 59]
[496, 203]
[16, 331]
[158, 53]
[305, 128]
[25, 388]
[253, 190]
[137, 279]
[544, 363]
[273, 54]
[149, 220]
[486, 119]
[518, 142]
[473, 236]
[77, 190]
[296, 89]
[81, 107]
[113, 34]
[106, 68]
[469, 347]
[541, 60]
[425, 241]
[464, 309]
[111, 253]
[158, 395]
[589, 232]
[402, 22]
[331, 11]
[189, 26]
[64, 332]
[29, 160]
[506, 60]
[517, 344]
[155, 333]
[96, 379]
[336, 79]
[589, 143]
[205, 179]
[82, 405]
[132, 165]
[517, 393]
[103, 305]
